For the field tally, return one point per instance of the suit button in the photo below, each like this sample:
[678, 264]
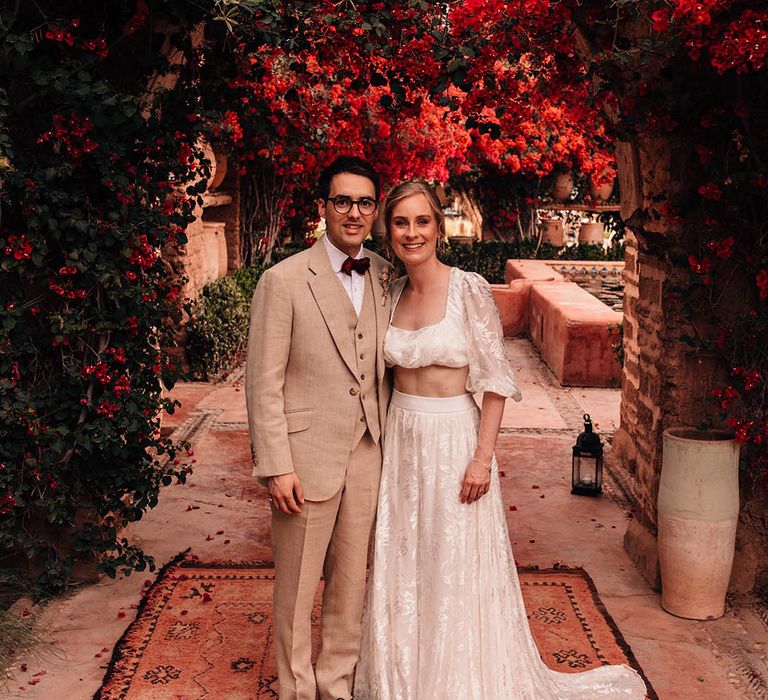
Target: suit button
[362, 376]
[359, 336]
[362, 357]
[353, 391]
[362, 420]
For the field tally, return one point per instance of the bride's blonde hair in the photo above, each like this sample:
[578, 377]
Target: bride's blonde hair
[409, 188]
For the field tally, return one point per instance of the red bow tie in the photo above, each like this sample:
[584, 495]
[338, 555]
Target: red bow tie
[359, 265]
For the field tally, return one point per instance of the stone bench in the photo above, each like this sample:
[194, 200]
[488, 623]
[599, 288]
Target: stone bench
[570, 327]
[572, 330]
[513, 298]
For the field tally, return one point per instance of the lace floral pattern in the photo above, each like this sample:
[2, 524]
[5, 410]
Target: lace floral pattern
[470, 334]
[444, 614]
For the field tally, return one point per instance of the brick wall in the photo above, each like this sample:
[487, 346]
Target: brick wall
[664, 384]
[638, 438]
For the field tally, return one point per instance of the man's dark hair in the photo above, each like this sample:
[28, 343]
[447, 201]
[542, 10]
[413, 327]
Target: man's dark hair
[347, 164]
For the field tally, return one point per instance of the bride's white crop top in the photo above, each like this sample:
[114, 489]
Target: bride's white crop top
[469, 334]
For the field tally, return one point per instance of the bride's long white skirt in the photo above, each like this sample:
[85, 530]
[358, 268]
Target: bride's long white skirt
[444, 616]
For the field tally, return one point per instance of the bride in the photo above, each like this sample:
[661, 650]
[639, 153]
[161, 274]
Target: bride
[444, 617]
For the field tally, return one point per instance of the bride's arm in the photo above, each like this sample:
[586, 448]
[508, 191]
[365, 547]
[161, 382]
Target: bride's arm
[490, 422]
[489, 372]
[477, 478]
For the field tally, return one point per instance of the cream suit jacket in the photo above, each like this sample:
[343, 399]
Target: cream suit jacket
[301, 368]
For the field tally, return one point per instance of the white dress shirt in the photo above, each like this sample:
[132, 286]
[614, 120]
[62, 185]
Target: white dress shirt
[353, 284]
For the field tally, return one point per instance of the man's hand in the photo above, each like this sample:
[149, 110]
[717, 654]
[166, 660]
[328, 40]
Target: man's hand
[285, 492]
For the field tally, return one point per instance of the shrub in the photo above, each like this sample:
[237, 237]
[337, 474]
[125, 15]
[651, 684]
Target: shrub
[97, 180]
[218, 329]
[17, 632]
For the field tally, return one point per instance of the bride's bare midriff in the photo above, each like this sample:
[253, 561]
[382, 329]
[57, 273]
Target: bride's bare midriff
[435, 381]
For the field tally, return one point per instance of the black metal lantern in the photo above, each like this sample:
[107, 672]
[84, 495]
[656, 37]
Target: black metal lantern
[587, 475]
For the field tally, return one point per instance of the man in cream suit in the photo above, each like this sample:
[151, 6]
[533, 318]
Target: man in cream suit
[317, 397]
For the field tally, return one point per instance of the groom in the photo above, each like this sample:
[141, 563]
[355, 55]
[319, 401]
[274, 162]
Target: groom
[317, 395]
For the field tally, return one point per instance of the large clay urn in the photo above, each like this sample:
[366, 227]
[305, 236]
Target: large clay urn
[552, 231]
[562, 186]
[698, 512]
[219, 169]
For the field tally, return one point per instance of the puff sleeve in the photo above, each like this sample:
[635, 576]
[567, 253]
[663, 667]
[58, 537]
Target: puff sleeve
[489, 368]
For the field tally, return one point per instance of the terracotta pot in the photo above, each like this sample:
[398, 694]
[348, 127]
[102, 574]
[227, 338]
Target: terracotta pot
[591, 232]
[211, 157]
[698, 511]
[562, 186]
[219, 170]
[600, 193]
[379, 230]
[462, 240]
[552, 231]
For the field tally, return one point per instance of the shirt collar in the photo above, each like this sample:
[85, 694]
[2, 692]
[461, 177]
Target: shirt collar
[336, 256]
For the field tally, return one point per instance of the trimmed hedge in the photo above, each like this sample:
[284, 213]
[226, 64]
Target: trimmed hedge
[218, 329]
[489, 258]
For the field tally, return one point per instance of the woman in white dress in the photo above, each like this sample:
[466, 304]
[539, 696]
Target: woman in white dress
[444, 616]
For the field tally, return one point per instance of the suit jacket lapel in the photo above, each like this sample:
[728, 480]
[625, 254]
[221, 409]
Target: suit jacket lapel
[381, 304]
[329, 295]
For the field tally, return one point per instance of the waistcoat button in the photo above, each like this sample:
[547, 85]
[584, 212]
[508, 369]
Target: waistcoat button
[353, 391]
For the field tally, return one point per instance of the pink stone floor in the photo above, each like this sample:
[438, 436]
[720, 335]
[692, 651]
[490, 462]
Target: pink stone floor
[222, 514]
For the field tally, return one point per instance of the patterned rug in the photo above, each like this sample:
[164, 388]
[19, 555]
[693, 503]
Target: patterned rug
[205, 631]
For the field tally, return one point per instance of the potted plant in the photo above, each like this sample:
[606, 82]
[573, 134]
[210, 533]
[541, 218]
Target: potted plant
[562, 185]
[591, 231]
[552, 231]
[600, 188]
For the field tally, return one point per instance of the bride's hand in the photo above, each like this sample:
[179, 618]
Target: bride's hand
[477, 481]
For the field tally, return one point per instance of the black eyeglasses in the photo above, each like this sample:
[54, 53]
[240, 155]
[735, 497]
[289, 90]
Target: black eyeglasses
[343, 205]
